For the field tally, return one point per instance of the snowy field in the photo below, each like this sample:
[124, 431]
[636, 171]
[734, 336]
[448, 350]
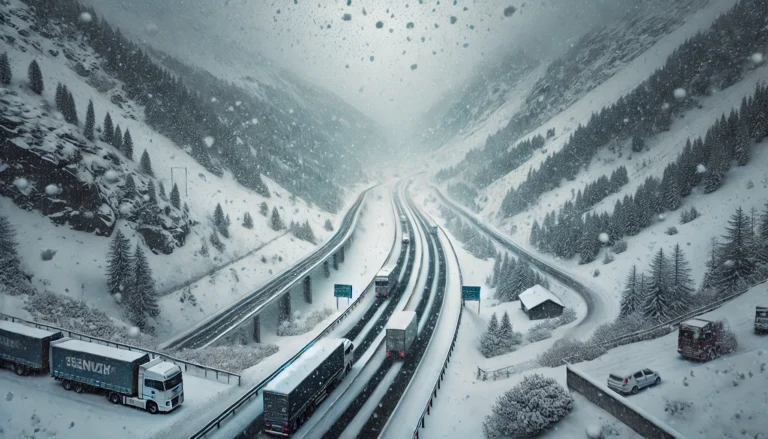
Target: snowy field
[37, 406]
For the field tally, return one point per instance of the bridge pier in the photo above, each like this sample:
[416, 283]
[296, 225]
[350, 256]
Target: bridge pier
[335, 261]
[308, 289]
[257, 328]
[285, 307]
[341, 254]
[326, 270]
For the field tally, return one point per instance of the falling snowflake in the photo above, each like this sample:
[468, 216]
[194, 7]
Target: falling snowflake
[604, 238]
[701, 168]
[662, 217]
[52, 190]
[85, 17]
[757, 58]
[729, 263]
[254, 121]
[680, 93]
[665, 106]
[125, 209]
[145, 197]
[208, 141]
[133, 332]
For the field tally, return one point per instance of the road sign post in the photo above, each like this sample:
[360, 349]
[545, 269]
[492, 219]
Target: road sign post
[341, 290]
[470, 293]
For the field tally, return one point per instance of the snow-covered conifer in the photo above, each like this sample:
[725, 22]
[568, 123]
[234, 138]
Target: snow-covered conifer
[119, 265]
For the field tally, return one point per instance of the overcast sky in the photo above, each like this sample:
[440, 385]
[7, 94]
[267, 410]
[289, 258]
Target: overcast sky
[377, 69]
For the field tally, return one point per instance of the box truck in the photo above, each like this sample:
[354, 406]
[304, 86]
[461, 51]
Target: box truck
[401, 332]
[127, 377]
[291, 398]
[25, 348]
[384, 282]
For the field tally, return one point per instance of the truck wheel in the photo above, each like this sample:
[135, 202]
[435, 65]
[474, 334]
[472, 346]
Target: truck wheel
[152, 408]
[66, 384]
[79, 388]
[712, 354]
[114, 398]
[20, 370]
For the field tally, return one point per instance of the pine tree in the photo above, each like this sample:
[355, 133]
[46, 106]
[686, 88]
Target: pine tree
[742, 144]
[71, 109]
[60, 100]
[146, 164]
[35, 78]
[631, 299]
[263, 208]
[672, 199]
[681, 283]
[631, 224]
[117, 139]
[119, 265]
[220, 221]
[107, 129]
[710, 276]
[161, 190]
[735, 256]
[10, 272]
[152, 192]
[658, 305]
[175, 197]
[506, 332]
[142, 300]
[535, 231]
[127, 146]
[276, 222]
[309, 235]
[496, 272]
[90, 120]
[589, 245]
[247, 221]
[760, 127]
[6, 73]
[130, 186]
[490, 342]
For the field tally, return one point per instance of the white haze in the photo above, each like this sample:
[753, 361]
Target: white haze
[230, 32]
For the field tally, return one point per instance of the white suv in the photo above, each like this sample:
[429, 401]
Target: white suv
[632, 382]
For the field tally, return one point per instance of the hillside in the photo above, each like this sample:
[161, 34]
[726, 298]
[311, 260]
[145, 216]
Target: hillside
[67, 193]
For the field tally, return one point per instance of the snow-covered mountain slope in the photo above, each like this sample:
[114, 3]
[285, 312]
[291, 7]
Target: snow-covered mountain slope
[585, 79]
[47, 166]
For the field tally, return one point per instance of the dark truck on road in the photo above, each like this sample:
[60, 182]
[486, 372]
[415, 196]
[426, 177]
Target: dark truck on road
[761, 319]
[25, 348]
[291, 398]
[700, 339]
[128, 377]
[401, 332]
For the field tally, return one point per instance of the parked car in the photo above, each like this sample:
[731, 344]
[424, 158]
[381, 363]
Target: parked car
[632, 382]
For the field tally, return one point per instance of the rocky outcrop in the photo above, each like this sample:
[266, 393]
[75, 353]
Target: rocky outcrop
[47, 166]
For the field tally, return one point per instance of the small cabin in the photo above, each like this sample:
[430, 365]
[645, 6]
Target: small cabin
[539, 303]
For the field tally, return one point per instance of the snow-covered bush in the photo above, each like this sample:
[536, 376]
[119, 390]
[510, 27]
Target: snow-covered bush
[608, 258]
[231, 358]
[47, 254]
[729, 343]
[568, 316]
[299, 325]
[675, 407]
[619, 247]
[531, 407]
[671, 231]
[571, 351]
[596, 273]
[538, 332]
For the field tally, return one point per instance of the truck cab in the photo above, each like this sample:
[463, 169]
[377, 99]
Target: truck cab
[161, 387]
[406, 238]
[700, 339]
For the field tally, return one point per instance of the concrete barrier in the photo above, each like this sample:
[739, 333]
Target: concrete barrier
[634, 417]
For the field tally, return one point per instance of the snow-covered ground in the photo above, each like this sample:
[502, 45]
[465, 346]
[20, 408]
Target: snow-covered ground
[727, 395]
[37, 406]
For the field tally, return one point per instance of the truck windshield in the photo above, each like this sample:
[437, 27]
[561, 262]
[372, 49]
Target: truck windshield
[172, 382]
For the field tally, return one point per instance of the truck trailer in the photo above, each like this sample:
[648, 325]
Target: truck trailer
[291, 398]
[401, 332]
[25, 348]
[761, 319]
[384, 282]
[127, 377]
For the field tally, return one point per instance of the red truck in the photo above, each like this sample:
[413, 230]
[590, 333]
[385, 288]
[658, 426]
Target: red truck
[700, 339]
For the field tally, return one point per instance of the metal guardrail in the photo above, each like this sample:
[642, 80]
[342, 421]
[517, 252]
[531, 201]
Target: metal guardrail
[254, 391]
[217, 373]
[433, 395]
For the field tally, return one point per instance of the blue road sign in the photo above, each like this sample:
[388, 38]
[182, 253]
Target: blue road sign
[470, 293]
[340, 290]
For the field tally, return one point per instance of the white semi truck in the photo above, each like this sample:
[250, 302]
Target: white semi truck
[127, 377]
[401, 332]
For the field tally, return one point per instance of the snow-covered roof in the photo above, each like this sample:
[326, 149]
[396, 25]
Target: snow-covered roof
[294, 374]
[401, 320]
[99, 349]
[696, 323]
[22, 329]
[536, 295]
[164, 369]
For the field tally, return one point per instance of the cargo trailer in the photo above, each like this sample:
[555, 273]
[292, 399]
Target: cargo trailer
[25, 348]
[401, 332]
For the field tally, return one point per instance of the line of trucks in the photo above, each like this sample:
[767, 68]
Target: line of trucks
[294, 395]
[125, 377]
